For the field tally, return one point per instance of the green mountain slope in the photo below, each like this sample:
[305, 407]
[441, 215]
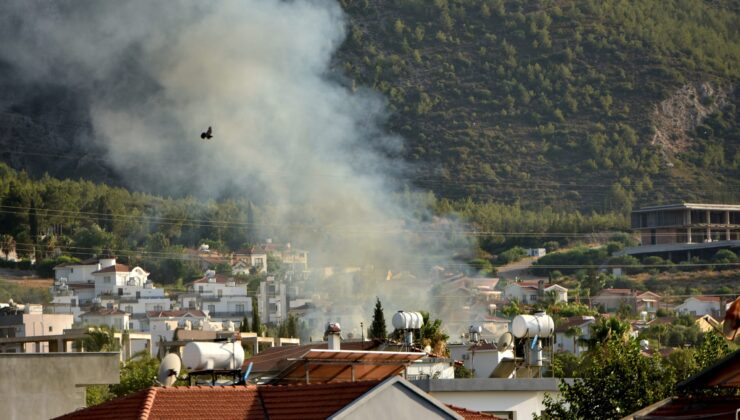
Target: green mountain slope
[593, 105]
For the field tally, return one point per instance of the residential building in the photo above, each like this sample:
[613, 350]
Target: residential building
[246, 261]
[82, 272]
[295, 259]
[566, 341]
[480, 358]
[514, 399]
[30, 320]
[680, 231]
[221, 297]
[43, 386]
[163, 324]
[112, 280]
[531, 291]
[701, 305]
[610, 300]
[114, 318]
[647, 302]
[272, 300]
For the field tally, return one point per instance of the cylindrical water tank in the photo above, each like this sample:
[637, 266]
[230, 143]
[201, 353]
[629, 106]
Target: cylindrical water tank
[207, 356]
[532, 325]
[407, 320]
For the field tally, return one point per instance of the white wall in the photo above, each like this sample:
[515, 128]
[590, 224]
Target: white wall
[521, 403]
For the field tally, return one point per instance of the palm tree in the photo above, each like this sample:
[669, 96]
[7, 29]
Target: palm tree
[574, 332]
[7, 244]
[604, 329]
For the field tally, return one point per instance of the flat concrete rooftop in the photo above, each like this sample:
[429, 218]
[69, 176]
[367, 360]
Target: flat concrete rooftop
[690, 206]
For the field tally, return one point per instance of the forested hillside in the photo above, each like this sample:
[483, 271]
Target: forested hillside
[589, 104]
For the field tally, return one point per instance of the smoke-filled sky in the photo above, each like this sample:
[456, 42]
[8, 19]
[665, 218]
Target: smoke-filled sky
[156, 74]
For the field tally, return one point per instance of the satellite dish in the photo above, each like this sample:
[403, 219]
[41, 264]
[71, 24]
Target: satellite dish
[169, 369]
[504, 342]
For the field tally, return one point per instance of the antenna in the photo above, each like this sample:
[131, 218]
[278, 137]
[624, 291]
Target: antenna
[505, 341]
[169, 369]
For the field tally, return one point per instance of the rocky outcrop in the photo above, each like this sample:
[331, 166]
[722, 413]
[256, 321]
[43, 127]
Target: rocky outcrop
[675, 118]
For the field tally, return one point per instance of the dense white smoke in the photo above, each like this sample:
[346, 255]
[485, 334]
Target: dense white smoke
[157, 74]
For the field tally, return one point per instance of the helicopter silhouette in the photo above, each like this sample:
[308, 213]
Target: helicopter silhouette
[208, 134]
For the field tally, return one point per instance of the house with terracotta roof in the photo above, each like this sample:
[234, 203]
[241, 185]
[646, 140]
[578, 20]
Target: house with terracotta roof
[647, 302]
[610, 300]
[393, 397]
[701, 305]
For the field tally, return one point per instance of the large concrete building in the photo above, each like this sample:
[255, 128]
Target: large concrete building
[46, 385]
[680, 231]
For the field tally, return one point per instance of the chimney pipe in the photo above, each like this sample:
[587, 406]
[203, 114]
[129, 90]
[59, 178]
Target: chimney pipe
[333, 335]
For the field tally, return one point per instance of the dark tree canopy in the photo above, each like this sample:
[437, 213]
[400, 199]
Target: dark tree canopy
[378, 328]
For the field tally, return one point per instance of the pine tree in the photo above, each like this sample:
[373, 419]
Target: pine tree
[377, 329]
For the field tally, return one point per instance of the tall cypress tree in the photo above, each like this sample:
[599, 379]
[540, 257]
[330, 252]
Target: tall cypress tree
[256, 322]
[377, 329]
[244, 327]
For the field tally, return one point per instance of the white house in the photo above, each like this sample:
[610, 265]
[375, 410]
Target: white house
[560, 292]
[567, 343]
[113, 318]
[700, 305]
[113, 279]
[480, 358]
[219, 296]
[530, 291]
[244, 260]
[272, 300]
[162, 324]
[81, 272]
[513, 398]
[523, 291]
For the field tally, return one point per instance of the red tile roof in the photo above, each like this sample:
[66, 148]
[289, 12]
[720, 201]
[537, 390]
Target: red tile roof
[317, 401]
[472, 415]
[310, 401]
[184, 403]
[118, 268]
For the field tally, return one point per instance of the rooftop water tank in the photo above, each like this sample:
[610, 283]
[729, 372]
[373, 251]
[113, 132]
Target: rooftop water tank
[529, 326]
[206, 356]
[407, 320]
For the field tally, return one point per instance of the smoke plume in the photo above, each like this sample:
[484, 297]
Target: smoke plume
[286, 132]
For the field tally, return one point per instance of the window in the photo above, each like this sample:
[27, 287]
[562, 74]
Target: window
[106, 279]
[129, 309]
[157, 307]
[240, 308]
[191, 304]
[51, 328]
[211, 309]
[200, 289]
